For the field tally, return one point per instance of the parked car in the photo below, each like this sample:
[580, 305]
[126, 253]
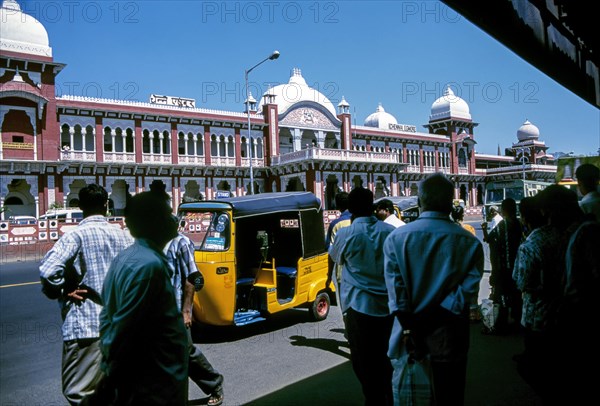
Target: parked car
[22, 220]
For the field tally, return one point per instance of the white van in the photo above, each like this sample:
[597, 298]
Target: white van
[66, 215]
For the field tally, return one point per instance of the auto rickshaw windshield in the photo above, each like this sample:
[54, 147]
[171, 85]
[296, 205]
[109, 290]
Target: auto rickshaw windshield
[208, 230]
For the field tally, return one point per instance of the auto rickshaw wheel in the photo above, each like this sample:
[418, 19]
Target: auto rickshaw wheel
[320, 307]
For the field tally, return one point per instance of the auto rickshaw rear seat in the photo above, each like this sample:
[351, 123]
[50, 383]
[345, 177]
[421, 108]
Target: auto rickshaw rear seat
[286, 282]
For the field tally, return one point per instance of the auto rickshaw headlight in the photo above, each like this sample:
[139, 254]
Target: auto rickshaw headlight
[222, 270]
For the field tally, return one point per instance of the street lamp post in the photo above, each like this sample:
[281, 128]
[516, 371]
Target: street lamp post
[272, 57]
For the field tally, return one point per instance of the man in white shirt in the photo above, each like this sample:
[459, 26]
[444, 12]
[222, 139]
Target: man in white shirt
[384, 210]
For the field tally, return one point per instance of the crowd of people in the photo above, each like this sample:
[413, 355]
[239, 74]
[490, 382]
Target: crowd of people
[544, 277]
[125, 298]
[126, 295]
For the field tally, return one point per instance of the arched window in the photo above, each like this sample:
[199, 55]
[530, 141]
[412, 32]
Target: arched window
[181, 141]
[166, 142]
[90, 144]
[244, 148]
[65, 137]
[77, 139]
[222, 146]
[119, 144]
[146, 142]
[230, 147]
[214, 147]
[190, 144]
[108, 147]
[129, 144]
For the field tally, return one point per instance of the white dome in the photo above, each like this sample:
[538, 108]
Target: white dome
[296, 90]
[449, 106]
[380, 119]
[528, 132]
[20, 32]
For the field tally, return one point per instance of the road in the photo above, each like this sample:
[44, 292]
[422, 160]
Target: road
[285, 361]
[256, 359]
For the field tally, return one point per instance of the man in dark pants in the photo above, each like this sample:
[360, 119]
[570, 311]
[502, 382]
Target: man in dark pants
[432, 270]
[358, 248]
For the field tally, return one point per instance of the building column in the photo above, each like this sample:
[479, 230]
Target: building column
[113, 136]
[237, 143]
[320, 139]
[138, 142]
[175, 144]
[71, 137]
[297, 137]
[206, 147]
[99, 140]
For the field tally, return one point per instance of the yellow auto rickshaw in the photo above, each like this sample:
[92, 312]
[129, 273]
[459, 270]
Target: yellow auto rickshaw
[259, 254]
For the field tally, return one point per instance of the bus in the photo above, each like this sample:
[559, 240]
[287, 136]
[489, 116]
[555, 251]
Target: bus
[517, 189]
[566, 167]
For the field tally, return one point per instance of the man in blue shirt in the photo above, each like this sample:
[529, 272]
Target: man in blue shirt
[358, 249]
[143, 338]
[432, 269]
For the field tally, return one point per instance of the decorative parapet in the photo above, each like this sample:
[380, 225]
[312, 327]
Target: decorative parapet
[325, 154]
[119, 157]
[526, 168]
[155, 106]
[156, 158]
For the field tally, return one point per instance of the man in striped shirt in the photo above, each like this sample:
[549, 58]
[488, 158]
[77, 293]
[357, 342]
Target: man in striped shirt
[186, 280]
[73, 273]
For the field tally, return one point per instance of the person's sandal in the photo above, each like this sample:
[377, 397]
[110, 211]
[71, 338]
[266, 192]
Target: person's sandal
[215, 399]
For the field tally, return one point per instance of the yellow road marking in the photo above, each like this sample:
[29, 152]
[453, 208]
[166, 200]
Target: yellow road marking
[19, 284]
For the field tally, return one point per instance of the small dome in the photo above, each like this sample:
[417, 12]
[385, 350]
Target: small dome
[295, 91]
[528, 131]
[20, 32]
[449, 106]
[343, 103]
[380, 119]
[252, 99]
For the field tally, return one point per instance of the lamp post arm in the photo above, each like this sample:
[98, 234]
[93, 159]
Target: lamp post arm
[255, 66]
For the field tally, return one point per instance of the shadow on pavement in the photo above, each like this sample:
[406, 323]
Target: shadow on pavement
[492, 378]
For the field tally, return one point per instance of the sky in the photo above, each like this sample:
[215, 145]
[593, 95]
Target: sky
[401, 54]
